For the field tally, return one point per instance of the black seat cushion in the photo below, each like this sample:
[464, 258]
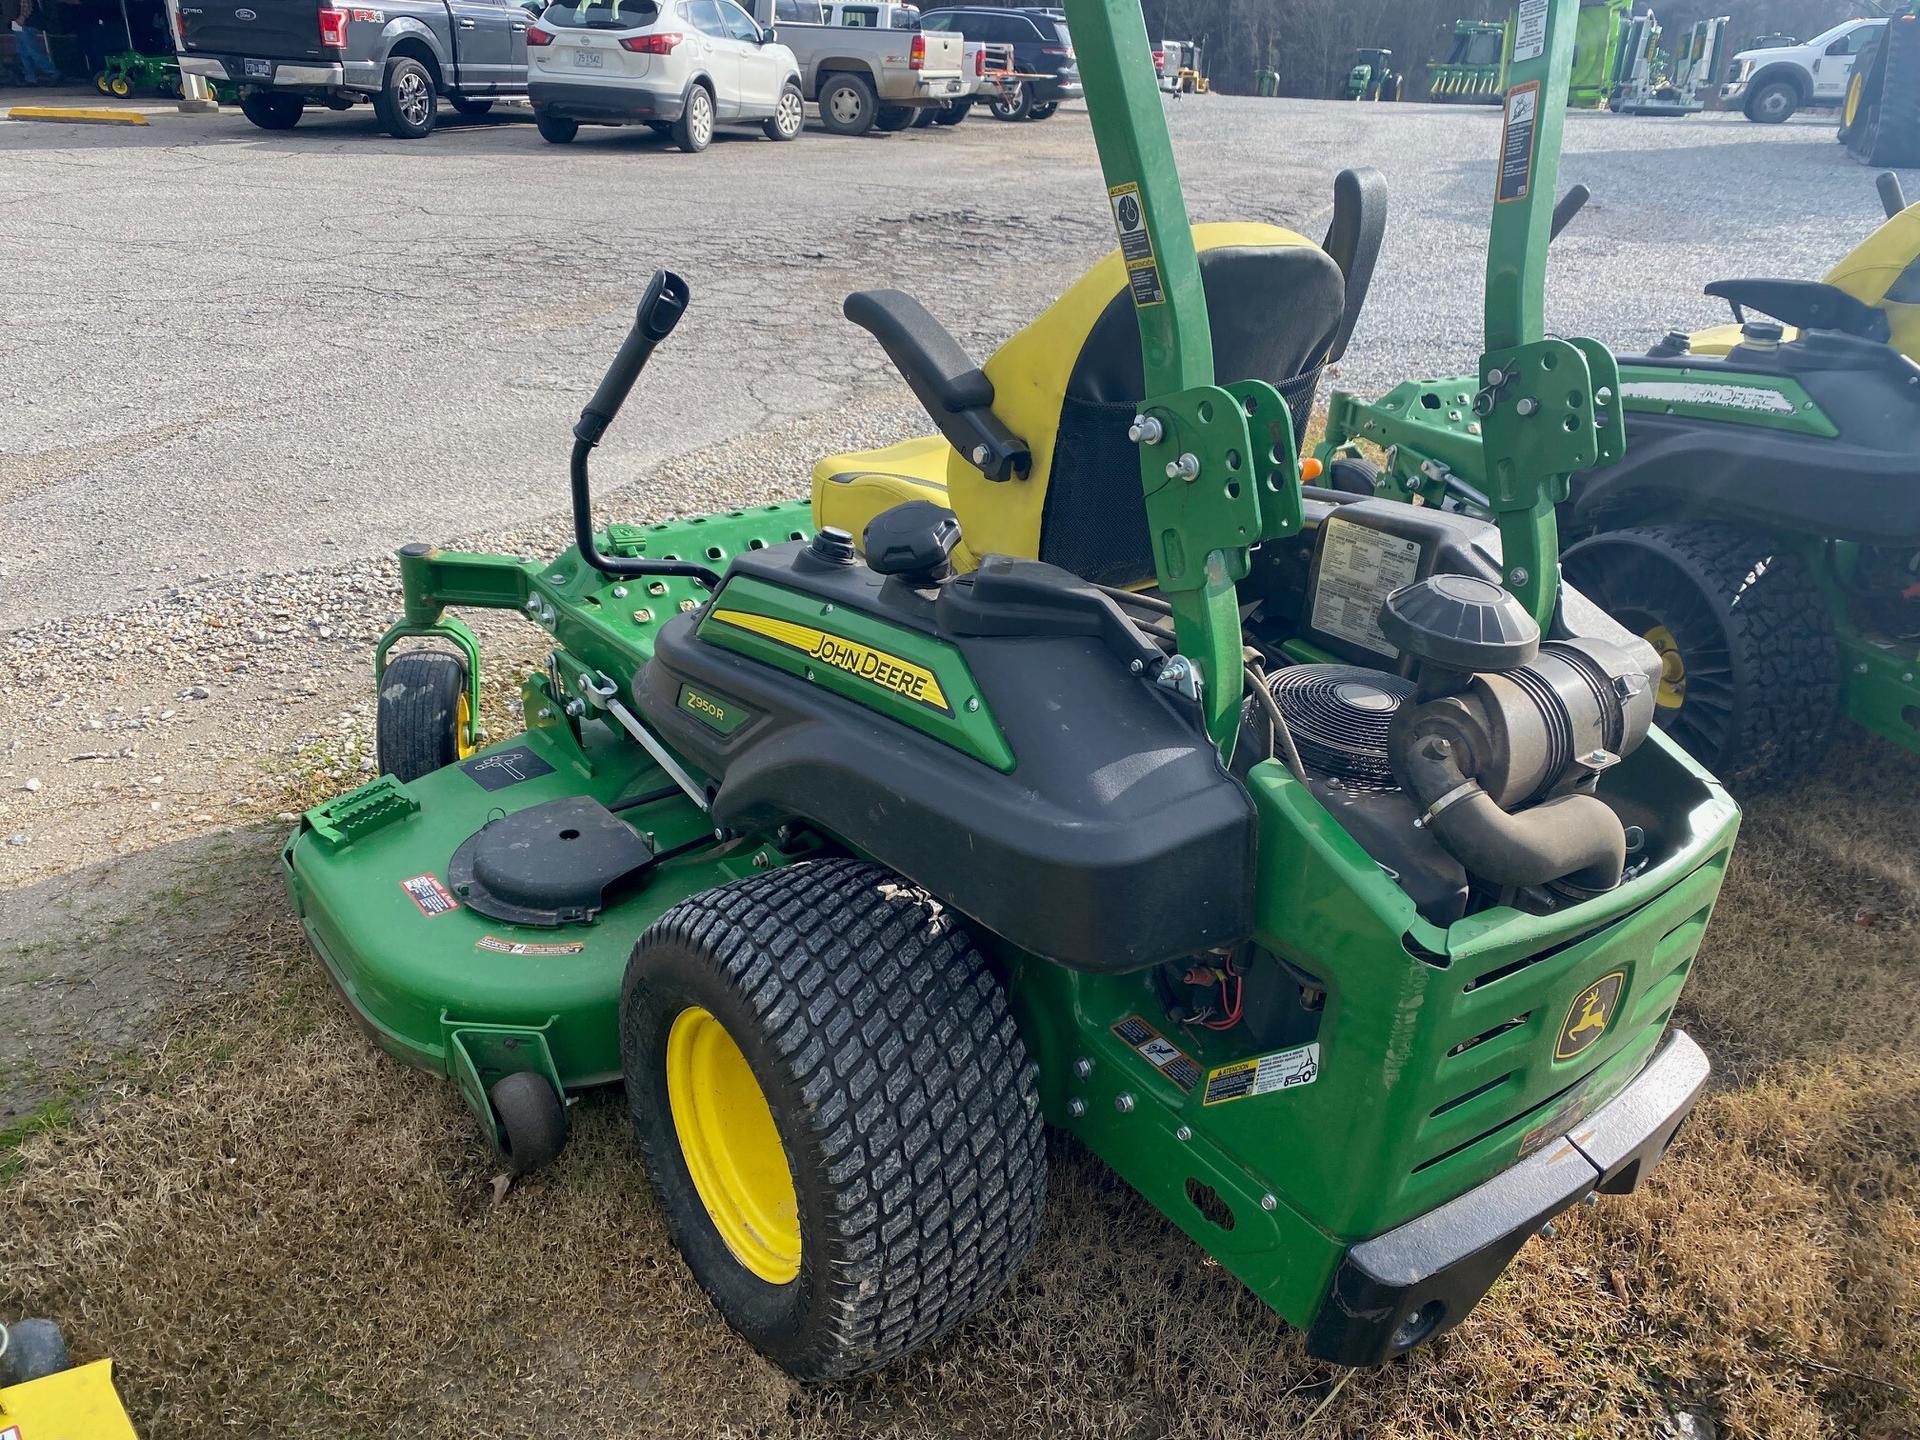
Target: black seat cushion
[1273, 311]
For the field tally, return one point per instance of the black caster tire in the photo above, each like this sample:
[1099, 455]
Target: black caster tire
[532, 1119]
[1352, 477]
[790, 115]
[846, 1182]
[419, 722]
[1751, 687]
[693, 131]
[409, 102]
[848, 105]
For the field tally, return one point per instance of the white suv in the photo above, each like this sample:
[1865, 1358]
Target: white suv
[680, 66]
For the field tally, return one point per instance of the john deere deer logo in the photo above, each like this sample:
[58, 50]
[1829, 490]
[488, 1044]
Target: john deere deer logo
[1589, 1014]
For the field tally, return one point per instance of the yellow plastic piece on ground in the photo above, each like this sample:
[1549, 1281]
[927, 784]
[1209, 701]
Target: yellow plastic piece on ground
[82, 116]
[76, 1404]
[732, 1147]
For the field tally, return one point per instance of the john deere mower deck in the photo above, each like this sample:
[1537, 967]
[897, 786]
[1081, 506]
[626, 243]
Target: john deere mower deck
[1310, 859]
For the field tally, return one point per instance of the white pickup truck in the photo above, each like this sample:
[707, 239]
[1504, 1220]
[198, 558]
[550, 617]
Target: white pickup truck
[864, 75]
[1769, 85]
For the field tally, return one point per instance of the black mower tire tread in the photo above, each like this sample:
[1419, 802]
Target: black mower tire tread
[898, 1073]
[1352, 476]
[1783, 648]
[416, 714]
[534, 1118]
[1891, 127]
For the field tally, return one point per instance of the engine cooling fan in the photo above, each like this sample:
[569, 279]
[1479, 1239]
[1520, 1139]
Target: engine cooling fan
[1339, 716]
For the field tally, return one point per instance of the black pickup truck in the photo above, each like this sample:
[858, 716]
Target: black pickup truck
[401, 54]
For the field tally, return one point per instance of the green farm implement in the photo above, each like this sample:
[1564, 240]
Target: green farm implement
[1312, 860]
[1478, 60]
[128, 72]
[1763, 529]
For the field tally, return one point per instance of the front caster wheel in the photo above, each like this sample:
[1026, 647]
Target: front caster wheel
[532, 1120]
[420, 719]
[847, 1182]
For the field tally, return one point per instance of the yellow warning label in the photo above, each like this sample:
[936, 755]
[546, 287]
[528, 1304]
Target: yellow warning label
[890, 672]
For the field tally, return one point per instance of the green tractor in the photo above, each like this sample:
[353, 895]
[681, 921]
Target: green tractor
[1372, 76]
[1762, 530]
[1880, 116]
[1317, 868]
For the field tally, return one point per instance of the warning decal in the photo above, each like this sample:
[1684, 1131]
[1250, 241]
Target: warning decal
[430, 895]
[1136, 245]
[525, 947]
[1282, 1070]
[1158, 1051]
[1530, 31]
[1359, 569]
[1516, 143]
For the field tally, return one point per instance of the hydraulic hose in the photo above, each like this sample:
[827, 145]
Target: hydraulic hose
[1575, 838]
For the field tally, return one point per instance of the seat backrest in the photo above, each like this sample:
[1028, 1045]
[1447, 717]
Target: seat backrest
[1069, 384]
[1884, 271]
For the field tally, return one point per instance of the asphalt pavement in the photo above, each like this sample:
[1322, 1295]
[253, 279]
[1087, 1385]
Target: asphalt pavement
[233, 353]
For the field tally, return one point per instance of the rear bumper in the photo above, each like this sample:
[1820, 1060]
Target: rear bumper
[282, 74]
[605, 104]
[1398, 1289]
[1051, 91]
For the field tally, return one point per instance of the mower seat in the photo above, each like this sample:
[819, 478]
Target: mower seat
[1033, 456]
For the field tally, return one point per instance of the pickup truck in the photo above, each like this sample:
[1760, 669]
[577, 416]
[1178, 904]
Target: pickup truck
[1769, 84]
[867, 75]
[401, 54]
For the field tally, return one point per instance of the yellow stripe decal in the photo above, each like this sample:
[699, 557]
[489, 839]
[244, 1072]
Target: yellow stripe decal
[889, 672]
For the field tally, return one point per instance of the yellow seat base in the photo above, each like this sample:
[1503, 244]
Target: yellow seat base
[851, 488]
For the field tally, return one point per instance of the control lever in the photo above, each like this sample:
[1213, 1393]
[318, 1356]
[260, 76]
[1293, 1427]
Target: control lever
[1892, 198]
[659, 311]
[1570, 205]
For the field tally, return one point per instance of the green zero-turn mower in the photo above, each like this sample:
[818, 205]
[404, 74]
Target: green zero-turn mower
[1336, 896]
[1762, 530]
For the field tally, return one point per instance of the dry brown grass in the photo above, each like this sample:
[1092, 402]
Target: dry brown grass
[276, 1231]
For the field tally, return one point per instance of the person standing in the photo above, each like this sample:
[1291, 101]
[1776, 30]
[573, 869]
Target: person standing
[30, 45]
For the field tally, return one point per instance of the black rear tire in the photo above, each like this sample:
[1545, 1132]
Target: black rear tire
[1887, 131]
[416, 723]
[925, 116]
[790, 116]
[847, 104]
[906, 1109]
[271, 112]
[533, 1120]
[1043, 112]
[1015, 102]
[409, 101]
[693, 131]
[1352, 477]
[1758, 685]
[893, 118]
[953, 112]
[556, 129]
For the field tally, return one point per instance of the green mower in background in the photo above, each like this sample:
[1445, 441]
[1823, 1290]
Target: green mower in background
[1311, 859]
[1762, 530]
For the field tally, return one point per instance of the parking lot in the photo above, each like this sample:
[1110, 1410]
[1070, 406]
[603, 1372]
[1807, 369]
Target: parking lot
[241, 367]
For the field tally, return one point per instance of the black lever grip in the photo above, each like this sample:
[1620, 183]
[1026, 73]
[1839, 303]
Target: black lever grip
[659, 311]
[1892, 198]
[1570, 205]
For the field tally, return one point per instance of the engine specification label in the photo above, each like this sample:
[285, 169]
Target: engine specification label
[1359, 568]
[1158, 1051]
[1282, 1070]
[1530, 31]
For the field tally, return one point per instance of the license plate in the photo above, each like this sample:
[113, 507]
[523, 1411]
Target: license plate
[261, 69]
[591, 59]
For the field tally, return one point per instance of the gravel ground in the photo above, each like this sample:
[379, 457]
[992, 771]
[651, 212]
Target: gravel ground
[305, 382]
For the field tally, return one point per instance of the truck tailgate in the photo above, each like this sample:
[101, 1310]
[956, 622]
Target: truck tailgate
[269, 29]
[945, 54]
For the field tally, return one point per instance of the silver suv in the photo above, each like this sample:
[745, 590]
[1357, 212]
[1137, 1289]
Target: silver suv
[679, 66]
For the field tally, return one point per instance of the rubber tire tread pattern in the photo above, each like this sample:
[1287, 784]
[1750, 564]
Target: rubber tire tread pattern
[927, 1108]
[534, 1118]
[1787, 700]
[1892, 126]
[387, 111]
[416, 713]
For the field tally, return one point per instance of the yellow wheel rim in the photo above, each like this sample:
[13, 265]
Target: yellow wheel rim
[1672, 693]
[120, 86]
[1854, 88]
[462, 727]
[732, 1147]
